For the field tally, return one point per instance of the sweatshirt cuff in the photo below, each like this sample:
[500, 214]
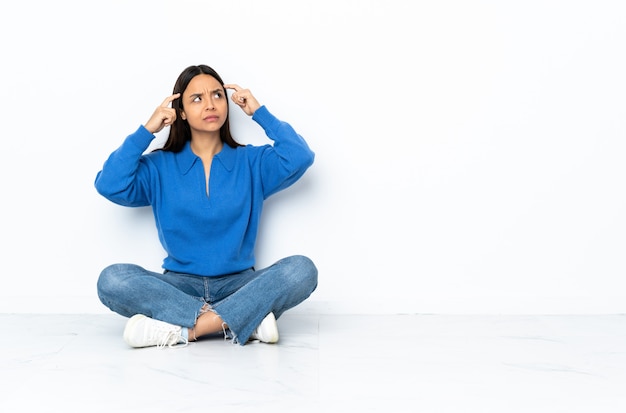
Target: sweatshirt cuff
[263, 117]
[141, 138]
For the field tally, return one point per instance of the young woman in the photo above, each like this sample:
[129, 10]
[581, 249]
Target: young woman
[206, 192]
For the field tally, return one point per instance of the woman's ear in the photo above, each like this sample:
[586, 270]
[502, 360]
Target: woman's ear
[182, 115]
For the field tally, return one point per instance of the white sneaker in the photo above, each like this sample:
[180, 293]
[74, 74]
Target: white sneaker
[267, 331]
[142, 331]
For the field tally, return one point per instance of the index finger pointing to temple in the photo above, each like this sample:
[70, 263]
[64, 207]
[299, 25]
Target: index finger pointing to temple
[170, 99]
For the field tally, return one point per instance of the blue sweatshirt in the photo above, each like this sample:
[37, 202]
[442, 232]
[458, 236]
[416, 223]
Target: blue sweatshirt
[214, 234]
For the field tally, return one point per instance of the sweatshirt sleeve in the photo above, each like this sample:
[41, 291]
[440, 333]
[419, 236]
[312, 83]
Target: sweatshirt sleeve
[123, 178]
[284, 162]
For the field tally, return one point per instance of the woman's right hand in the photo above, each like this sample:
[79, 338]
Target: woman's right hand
[163, 115]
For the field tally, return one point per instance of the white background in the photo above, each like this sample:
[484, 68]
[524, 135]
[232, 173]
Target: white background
[469, 154]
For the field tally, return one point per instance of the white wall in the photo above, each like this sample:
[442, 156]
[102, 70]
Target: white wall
[470, 154]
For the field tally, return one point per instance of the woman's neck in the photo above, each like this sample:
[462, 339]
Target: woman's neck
[206, 145]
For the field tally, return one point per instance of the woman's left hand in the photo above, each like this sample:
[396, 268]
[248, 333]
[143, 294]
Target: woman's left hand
[244, 99]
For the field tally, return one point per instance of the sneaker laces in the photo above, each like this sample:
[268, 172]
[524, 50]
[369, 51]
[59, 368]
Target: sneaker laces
[169, 338]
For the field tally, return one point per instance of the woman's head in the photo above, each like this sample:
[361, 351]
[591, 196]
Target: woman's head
[180, 132]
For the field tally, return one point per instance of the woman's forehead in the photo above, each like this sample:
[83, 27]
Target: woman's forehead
[204, 81]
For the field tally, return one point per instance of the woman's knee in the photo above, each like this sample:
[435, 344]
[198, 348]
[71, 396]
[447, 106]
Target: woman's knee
[302, 271]
[113, 276]
[113, 287]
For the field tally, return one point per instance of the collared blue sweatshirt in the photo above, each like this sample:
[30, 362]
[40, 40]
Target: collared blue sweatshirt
[206, 234]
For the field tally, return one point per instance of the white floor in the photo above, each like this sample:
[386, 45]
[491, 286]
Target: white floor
[323, 363]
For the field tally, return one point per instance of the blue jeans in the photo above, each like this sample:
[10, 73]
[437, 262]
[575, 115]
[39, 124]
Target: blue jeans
[242, 300]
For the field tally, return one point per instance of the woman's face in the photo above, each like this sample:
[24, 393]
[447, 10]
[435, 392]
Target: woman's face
[204, 104]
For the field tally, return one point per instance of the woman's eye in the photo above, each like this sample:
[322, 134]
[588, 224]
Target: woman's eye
[196, 99]
[218, 95]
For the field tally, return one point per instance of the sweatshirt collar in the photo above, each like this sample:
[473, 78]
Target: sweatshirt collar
[187, 158]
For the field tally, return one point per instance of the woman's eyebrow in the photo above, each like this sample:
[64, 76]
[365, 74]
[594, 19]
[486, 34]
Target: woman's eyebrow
[197, 94]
